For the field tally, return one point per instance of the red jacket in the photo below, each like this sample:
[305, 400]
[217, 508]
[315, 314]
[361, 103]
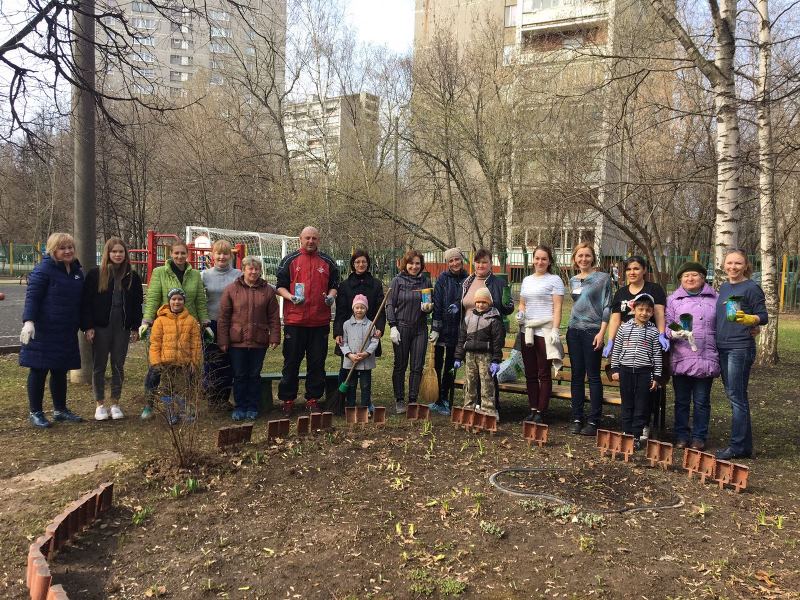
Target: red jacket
[248, 316]
[319, 273]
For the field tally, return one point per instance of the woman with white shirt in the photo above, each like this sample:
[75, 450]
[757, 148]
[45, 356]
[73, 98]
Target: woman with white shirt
[541, 297]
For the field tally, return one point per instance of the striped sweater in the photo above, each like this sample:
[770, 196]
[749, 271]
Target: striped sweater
[637, 347]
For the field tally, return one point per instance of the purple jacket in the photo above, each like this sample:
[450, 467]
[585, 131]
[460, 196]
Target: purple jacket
[702, 307]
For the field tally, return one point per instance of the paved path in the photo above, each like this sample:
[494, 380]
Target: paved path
[11, 312]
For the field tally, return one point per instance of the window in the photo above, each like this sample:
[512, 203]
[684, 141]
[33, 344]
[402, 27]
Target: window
[218, 15]
[178, 44]
[250, 51]
[217, 79]
[178, 92]
[511, 16]
[180, 27]
[142, 7]
[534, 5]
[221, 32]
[218, 47]
[185, 61]
[144, 40]
[144, 23]
[143, 88]
[144, 57]
[217, 64]
[179, 76]
[509, 53]
[148, 73]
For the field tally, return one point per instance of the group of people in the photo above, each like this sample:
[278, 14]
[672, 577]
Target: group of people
[213, 329]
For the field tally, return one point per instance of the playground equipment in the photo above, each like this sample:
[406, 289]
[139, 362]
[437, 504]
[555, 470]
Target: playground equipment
[270, 247]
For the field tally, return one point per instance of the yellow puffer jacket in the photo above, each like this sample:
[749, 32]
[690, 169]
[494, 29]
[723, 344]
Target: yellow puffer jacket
[175, 339]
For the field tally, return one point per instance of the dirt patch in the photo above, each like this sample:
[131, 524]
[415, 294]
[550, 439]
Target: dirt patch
[410, 513]
[603, 487]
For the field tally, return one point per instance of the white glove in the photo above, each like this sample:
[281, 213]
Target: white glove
[28, 333]
[426, 306]
[143, 329]
[394, 334]
[521, 318]
[555, 338]
[690, 339]
[681, 334]
[433, 337]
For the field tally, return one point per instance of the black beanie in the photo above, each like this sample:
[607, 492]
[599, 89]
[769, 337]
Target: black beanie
[692, 266]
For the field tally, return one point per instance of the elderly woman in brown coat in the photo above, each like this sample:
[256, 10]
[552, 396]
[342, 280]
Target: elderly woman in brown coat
[248, 322]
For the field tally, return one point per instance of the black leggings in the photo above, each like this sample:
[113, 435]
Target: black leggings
[58, 388]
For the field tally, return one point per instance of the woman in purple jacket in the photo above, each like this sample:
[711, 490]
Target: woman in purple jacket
[694, 358]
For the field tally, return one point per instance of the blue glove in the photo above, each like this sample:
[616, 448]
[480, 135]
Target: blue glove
[493, 369]
[664, 341]
[329, 300]
[456, 364]
[453, 309]
[607, 348]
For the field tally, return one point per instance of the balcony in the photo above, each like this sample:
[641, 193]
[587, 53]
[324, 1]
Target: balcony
[557, 14]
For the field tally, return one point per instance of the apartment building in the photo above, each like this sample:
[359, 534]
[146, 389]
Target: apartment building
[332, 135]
[567, 151]
[180, 46]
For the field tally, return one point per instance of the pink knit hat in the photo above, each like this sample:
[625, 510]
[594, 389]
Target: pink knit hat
[361, 299]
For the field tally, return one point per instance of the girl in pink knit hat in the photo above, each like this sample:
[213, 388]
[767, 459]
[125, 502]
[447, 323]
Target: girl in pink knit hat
[356, 330]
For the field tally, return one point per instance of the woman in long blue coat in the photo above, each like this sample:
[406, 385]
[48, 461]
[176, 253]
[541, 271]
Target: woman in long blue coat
[49, 337]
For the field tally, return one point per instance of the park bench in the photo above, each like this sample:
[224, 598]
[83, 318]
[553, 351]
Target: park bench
[267, 397]
[561, 383]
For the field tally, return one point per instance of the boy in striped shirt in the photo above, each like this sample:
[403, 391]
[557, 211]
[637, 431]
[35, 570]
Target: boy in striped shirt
[636, 364]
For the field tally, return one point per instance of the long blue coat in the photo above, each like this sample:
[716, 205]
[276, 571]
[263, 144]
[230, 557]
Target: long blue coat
[53, 303]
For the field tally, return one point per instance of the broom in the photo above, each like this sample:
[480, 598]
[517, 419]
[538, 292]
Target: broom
[337, 406]
[429, 387]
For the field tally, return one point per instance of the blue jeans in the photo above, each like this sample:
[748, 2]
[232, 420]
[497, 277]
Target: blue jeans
[690, 390]
[247, 363]
[585, 363]
[736, 364]
[365, 377]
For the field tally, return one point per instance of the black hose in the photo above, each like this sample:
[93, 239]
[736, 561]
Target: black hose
[679, 501]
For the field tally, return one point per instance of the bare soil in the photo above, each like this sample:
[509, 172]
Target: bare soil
[408, 512]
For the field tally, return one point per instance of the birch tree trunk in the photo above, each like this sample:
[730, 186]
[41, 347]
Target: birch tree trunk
[768, 339]
[720, 73]
[726, 225]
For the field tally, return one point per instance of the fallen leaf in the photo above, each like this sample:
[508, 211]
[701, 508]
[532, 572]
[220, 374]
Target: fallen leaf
[764, 576]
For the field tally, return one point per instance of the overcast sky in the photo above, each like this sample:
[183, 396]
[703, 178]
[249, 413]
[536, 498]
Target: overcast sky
[386, 22]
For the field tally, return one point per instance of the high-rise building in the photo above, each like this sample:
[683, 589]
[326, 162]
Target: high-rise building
[167, 51]
[568, 59]
[332, 135]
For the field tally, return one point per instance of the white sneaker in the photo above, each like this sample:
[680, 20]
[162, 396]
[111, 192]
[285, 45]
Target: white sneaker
[399, 407]
[646, 432]
[116, 412]
[101, 413]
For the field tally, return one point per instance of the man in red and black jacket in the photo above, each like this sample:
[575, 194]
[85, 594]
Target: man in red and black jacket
[306, 318]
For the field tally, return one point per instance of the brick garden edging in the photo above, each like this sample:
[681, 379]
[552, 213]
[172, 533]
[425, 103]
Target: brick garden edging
[76, 517]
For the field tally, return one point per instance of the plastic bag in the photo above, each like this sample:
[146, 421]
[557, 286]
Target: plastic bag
[511, 368]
